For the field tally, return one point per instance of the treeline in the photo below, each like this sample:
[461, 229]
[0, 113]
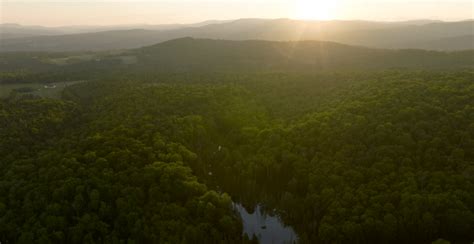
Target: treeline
[202, 56]
[344, 157]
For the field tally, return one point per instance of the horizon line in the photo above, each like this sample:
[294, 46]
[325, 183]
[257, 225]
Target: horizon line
[233, 20]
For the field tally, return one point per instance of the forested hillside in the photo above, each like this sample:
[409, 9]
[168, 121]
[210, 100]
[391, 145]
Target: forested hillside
[343, 156]
[246, 122]
[204, 55]
[220, 55]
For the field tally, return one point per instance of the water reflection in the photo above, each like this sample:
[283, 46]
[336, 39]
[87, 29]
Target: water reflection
[267, 228]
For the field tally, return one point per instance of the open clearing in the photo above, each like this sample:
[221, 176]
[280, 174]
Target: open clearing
[49, 90]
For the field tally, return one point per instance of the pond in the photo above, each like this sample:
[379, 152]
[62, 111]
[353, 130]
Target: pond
[269, 229]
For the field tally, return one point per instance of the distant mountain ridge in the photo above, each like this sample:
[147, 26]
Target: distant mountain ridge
[13, 30]
[394, 35]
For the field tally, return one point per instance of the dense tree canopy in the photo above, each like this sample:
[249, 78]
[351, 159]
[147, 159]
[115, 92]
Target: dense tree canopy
[344, 157]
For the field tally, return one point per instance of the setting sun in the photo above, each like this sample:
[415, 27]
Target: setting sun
[236, 121]
[315, 9]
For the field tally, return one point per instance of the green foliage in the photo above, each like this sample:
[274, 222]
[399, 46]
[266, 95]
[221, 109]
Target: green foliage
[202, 56]
[100, 181]
[344, 157]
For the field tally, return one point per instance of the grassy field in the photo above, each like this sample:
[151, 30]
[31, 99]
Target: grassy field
[50, 90]
[70, 59]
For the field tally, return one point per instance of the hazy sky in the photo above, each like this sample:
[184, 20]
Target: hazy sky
[107, 12]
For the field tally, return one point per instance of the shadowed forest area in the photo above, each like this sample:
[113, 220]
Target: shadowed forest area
[344, 157]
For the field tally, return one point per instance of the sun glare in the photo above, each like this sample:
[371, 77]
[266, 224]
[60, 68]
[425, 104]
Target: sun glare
[315, 9]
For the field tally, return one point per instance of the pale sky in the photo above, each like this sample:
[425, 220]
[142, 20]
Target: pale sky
[108, 12]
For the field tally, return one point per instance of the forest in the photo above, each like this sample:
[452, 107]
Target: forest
[364, 156]
[204, 56]
[237, 122]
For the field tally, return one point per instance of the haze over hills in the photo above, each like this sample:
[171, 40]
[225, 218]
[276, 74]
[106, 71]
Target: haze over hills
[12, 30]
[421, 34]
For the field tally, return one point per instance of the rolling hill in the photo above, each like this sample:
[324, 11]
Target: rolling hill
[208, 55]
[12, 31]
[393, 35]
